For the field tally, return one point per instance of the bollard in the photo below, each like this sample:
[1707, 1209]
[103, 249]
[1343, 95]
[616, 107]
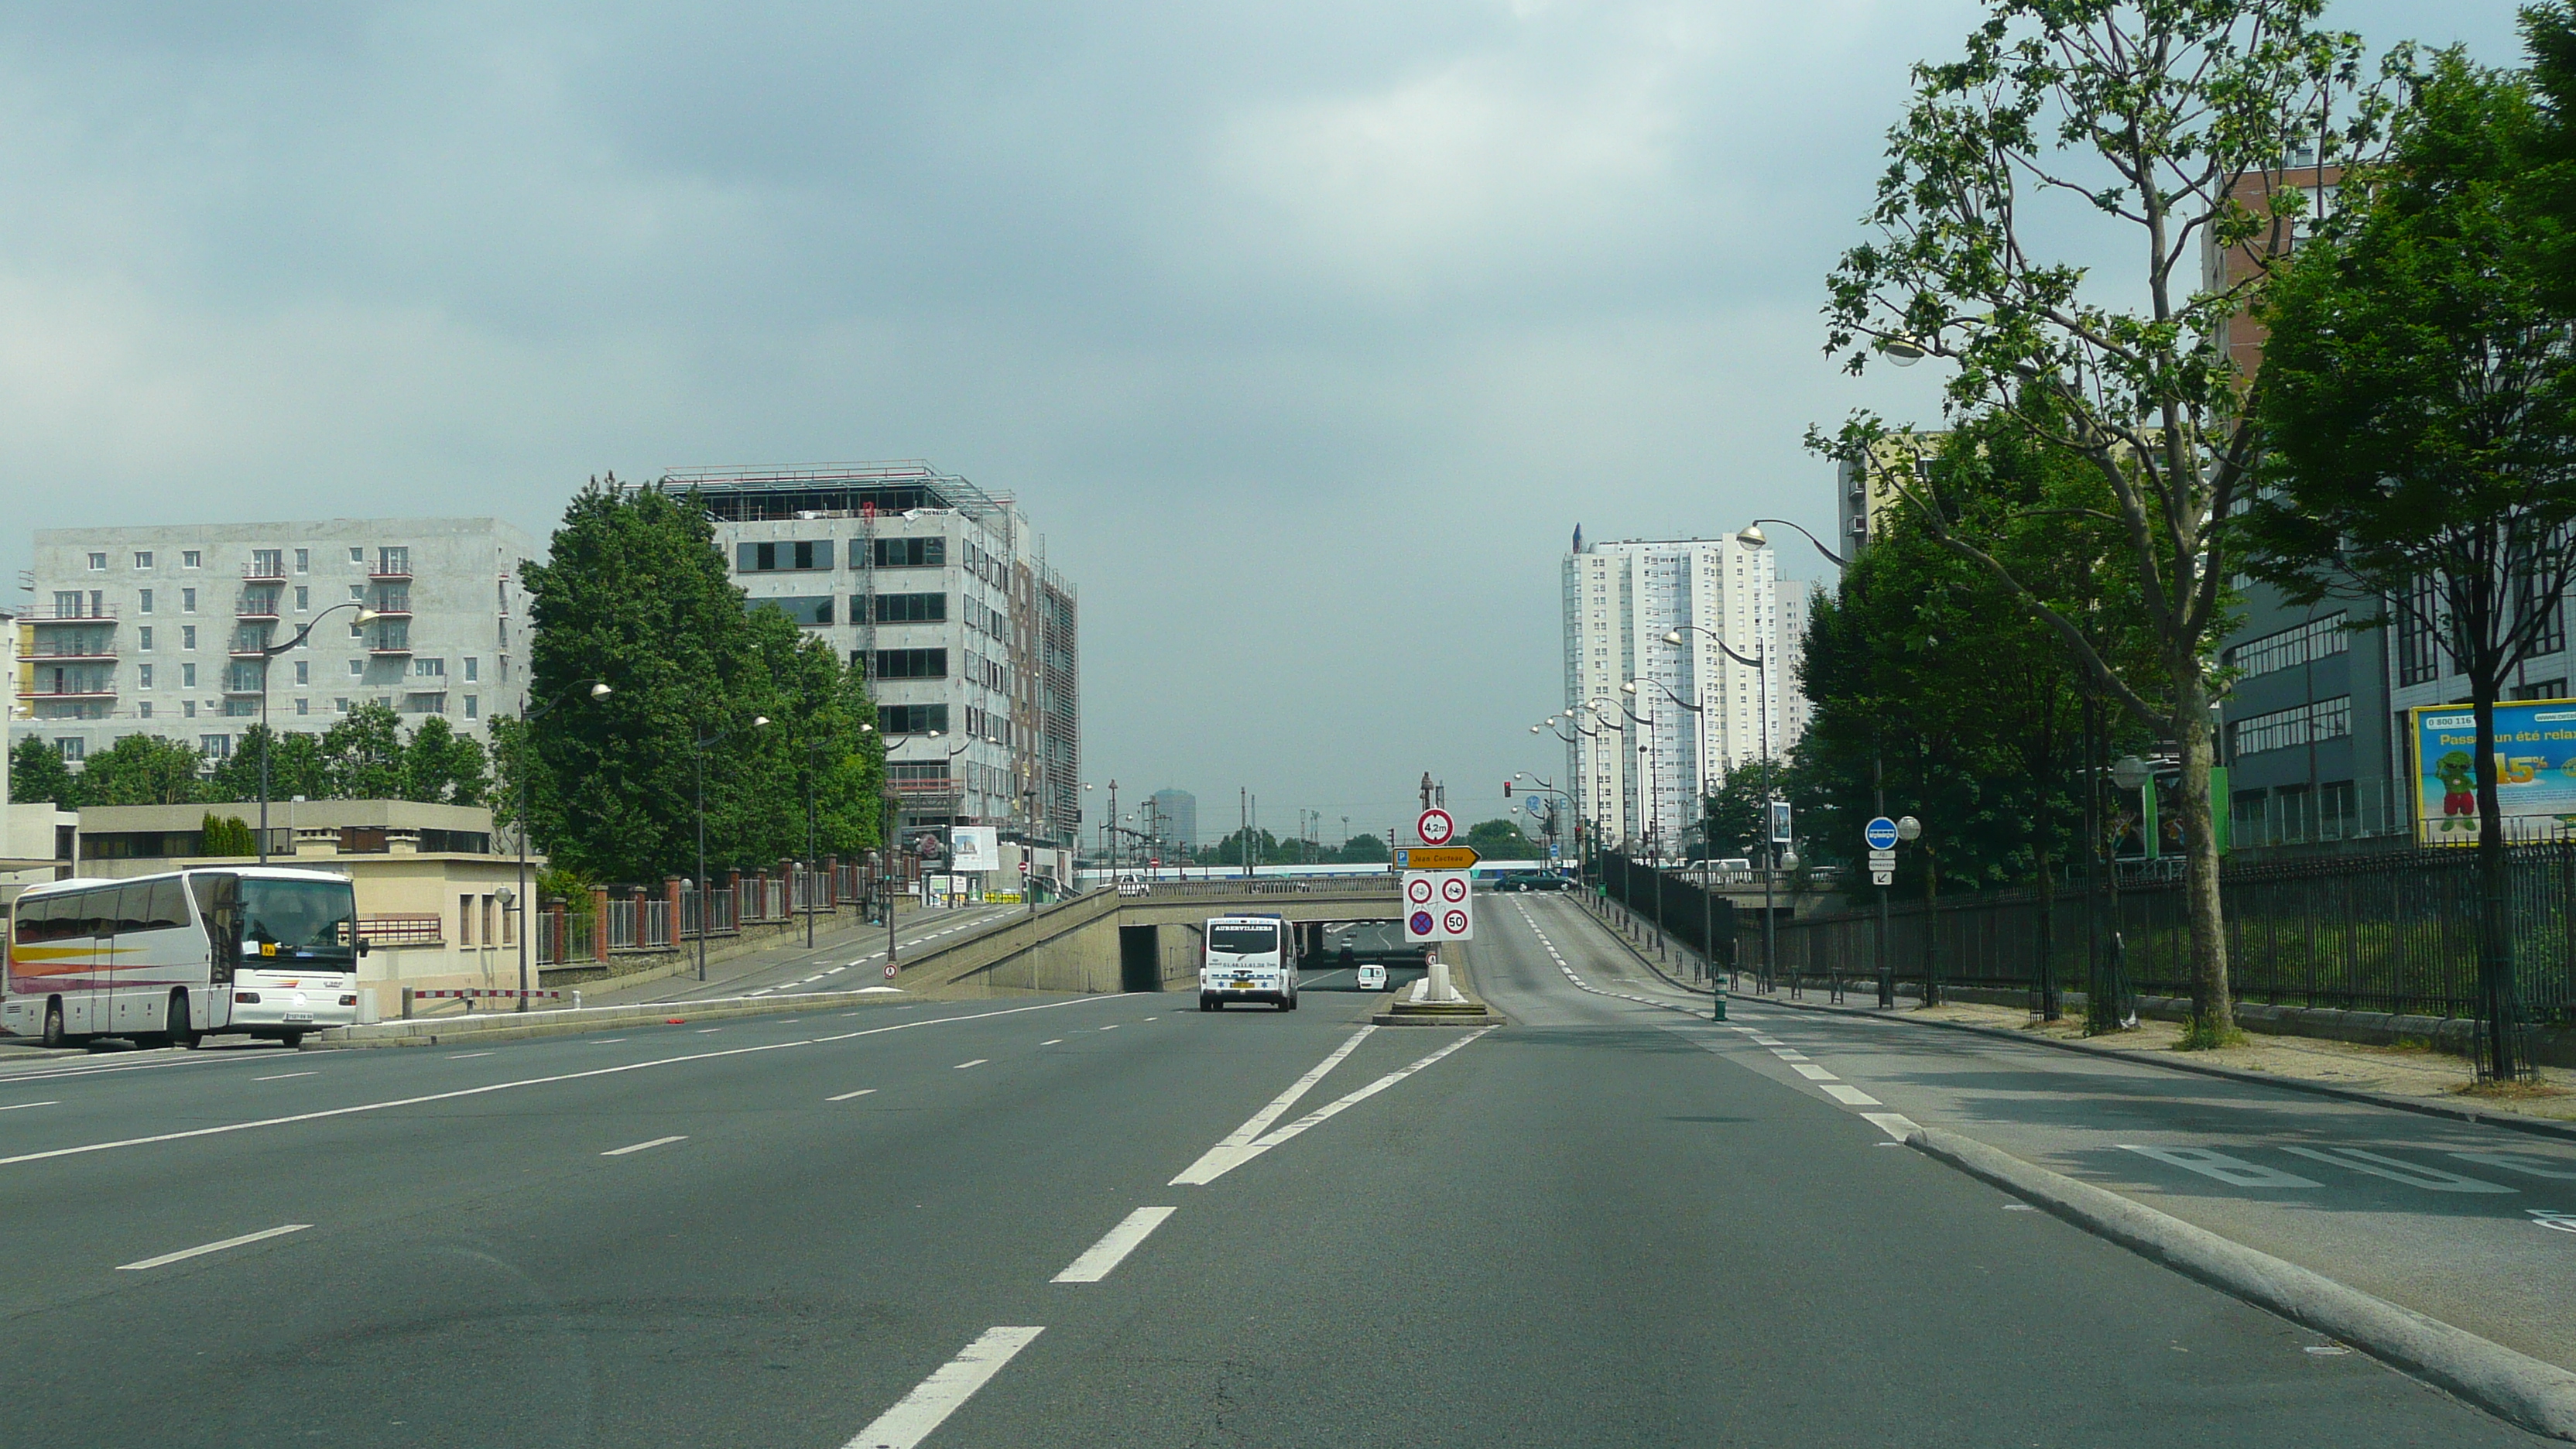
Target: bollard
[576, 998]
[406, 1003]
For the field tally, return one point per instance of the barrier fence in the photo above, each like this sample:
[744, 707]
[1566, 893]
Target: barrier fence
[646, 918]
[2394, 931]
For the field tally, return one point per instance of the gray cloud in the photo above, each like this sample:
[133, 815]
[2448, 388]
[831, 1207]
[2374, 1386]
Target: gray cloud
[1306, 332]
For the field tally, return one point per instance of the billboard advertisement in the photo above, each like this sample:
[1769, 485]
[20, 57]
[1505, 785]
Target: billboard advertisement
[974, 848]
[2535, 756]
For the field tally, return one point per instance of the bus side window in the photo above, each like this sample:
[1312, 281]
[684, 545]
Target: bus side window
[97, 912]
[166, 906]
[133, 903]
[219, 904]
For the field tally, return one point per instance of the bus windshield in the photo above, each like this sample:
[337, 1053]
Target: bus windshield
[1243, 940]
[301, 920]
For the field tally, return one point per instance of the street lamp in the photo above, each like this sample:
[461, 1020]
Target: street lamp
[267, 739]
[706, 902]
[527, 747]
[1760, 662]
[1752, 537]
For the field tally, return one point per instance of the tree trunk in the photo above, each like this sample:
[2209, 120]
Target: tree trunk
[2213, 1006]
[2495, 923]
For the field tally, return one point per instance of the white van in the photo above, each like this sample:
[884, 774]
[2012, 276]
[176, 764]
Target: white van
[1248, 958]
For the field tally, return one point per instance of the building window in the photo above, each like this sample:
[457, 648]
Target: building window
[2419, 655]
[215, 747]
[2289, 648]
[143, 639]
[304, 671]
[472, 669]
[357, 554]
[267, 563]
[187, 601]
[811, 611]
[340, 706]
[429, 668]
[303, 598]
[911, 608]
[143, 676]
[188, 708]
[303, 706]
[98, 563]
[769, 558]
[905, 772]
[2324, 719]
[187, 636]
[303, 561]
[143, 602]
[2539, 689]
[394, 561]
[912, 719]
[473, 707]
[910, 664]
[73, 749]
[187, 676]
[143, 558]
[357, 667]
[912, 553]
[143, 709]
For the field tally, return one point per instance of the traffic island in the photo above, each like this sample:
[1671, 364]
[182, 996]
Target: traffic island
[1435, 1001]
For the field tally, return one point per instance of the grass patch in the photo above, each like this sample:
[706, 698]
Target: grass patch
[2510, 1091]
[2197, 1036]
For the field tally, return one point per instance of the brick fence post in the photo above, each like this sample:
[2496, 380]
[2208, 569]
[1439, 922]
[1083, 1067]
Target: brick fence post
[671, 892]
[599, 923]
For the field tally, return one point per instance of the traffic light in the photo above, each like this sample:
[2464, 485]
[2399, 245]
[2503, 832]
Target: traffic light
[1507, 789]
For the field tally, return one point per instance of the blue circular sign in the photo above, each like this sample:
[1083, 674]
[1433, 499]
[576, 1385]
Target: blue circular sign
[1880, 833]
[1421, 923]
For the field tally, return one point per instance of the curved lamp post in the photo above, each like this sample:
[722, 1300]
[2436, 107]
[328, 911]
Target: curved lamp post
[1760, 662]
[598, 690]
[268, 739]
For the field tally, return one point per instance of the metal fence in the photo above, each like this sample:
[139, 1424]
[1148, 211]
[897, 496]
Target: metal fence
[1677, 902]
[2393, 932]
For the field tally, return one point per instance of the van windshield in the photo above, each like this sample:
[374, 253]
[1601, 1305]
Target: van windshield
[1243, 940]
[303, 920]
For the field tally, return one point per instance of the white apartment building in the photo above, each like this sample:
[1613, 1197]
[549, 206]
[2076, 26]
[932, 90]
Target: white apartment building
[159, 629]
[942, 591]
[1642, 760]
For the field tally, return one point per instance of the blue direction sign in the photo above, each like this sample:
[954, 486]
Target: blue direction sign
[1880, 833]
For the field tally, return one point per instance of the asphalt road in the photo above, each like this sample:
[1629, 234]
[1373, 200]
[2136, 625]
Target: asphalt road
[845, 954]
[849, 1228]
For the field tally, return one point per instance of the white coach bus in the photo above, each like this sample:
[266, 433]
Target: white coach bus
[266, 951]
[1248, 958]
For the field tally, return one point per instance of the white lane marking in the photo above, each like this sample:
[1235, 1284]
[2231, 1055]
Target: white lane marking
[467, 1056]
[2509, 1161]
[1220, 1161]
[1214, 1162]
[1051, 1041]
[282, 1076]
[23, 1106]
[1848, 1096]
[1894, 1125]
[845, 1096]
[640, 1146]
[837, 970]
[1113, 1026]
[961, 1066]
[1788, 1054]
[935, 1398]
[1769, 1041]
[2431, 1179]
[1153, 1018]
[204, 1248]
[709, 1030]
[2234, 1171]
[1114, 1246]
[647, 1065]
[1814, 1073]
[608, 1041]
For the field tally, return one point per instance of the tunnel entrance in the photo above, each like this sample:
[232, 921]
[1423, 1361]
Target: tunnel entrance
[1140, 958]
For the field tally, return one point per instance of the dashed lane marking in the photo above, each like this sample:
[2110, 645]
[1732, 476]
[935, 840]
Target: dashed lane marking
[282, 1076]
[961, 1066]
[921, 1412]
[1114, 1246]
[203, 1249]
[845, 1096]
[640, 1146]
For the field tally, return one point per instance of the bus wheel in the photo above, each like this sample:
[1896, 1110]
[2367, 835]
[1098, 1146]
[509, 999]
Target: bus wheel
[181, 1034]
[290, 1039]
[54, 1036]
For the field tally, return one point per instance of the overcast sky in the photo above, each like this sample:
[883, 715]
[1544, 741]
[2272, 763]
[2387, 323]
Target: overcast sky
[1305, 332]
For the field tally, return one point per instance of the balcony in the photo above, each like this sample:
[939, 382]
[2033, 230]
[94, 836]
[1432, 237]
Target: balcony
[397, 607]
[108, 692]
[242, 688]
[256, 606]
[105, 614]
[275, 570]
[73, 654]
[389, 571]
[389, 648]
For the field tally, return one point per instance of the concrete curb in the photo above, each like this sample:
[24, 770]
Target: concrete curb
[1615, 934]
[2523, 1390]
[517, 1026]
[2538, 1126]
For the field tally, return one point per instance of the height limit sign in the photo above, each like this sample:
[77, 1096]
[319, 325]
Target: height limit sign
[1438, 906]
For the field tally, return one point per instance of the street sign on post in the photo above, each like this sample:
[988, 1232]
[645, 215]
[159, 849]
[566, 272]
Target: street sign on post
[1439, 905]
[1880, 833]
[1780, 822]
[1435, 827]
[1436, 857]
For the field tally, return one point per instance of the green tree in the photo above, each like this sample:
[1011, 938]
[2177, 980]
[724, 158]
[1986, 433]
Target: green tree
[226, 835]
[362, 755]
[37, 772]
[2420, 416]
[143, 770]
[1362, 849]
[2148, 121]
[1503, 840]
[442, 767]
[295, 768]
[1735, 818]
